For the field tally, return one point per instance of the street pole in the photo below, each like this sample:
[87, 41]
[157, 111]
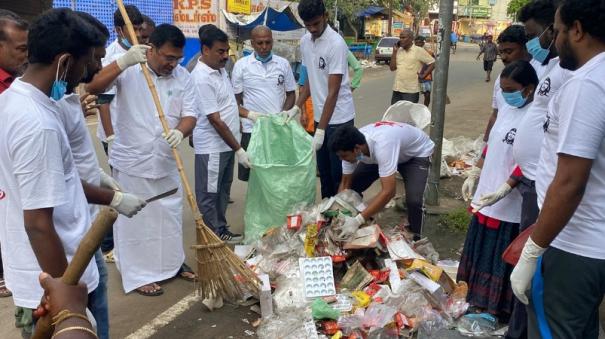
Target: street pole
[390, 17]
[446, 13]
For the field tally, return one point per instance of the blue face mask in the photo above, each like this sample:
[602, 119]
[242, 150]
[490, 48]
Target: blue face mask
[126, 43]
[59, 87]
[535, 48]
[359, 156]
[514, 99]
[265, 59]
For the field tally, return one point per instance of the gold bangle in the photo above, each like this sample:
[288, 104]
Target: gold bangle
[75, 328]
[65, 314]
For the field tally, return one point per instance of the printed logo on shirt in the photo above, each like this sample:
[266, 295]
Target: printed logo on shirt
[322, 63]
[544, 88]
[385, 123]
[280, 80]
[2, 195]
[546, 123]
[509, 138]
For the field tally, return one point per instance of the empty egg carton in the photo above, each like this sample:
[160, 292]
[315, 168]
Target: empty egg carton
[318, 276]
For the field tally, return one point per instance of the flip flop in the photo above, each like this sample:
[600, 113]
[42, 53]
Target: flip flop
[186, 269]
[154, 293]
[4, 292]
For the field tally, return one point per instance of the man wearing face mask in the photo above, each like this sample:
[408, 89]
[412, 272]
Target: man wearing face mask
[13, 60]
[142, 158]
[43, 199]
[262, 82]
[379, 150]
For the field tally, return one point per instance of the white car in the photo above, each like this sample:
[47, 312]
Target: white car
[384, 49]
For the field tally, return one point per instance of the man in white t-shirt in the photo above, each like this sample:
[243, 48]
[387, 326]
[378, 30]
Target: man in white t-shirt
[324, 54]
[217, 133]
[379, 150]
[142, 158]
[42, 197]
[262, 82]
[565, 251]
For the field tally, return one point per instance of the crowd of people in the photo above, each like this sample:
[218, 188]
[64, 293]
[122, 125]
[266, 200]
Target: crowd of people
[541, 168]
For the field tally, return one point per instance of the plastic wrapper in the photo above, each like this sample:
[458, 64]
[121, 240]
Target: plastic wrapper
[431, 321]
[292, 324]
[378, 315]
[283, 174]
[289, 294]
[352, 198]
[321, 310]
[414, 300]
[426, 249]
[350, 323]
[280, 242]
[279, 267]
[477, 324]
[456, 307]
[365, 237]
[356, 278]
[362, 299]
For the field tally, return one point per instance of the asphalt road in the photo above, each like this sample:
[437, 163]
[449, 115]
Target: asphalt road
[466, 115]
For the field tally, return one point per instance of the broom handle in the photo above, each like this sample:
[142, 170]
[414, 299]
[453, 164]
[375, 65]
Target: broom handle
[84, 254]
[156, 99]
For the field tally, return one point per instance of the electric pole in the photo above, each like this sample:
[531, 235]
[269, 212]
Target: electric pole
[390, 17]
[446, 13]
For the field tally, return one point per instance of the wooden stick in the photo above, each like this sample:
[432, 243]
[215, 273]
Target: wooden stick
[86, 251]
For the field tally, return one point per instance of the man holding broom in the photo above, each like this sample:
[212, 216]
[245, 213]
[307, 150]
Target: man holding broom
[149, 248]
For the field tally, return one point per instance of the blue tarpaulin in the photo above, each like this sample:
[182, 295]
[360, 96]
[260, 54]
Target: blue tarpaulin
[369, 11]
[283, 21]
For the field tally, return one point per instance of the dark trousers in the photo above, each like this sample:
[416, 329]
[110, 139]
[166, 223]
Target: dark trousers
[213, 179]
[1, 267]
[398, 96]
[414, 172]
[243, 173]
[574, 287]
[107, 243]
[517, 326]
[329, 164]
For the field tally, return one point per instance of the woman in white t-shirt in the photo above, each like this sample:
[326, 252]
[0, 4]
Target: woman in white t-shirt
[493, 228]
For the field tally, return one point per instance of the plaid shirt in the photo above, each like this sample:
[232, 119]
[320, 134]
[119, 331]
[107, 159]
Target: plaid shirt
[490, 51]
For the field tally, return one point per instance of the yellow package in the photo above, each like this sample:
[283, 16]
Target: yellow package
[429, 270]
[337, 335]
[362, 299]
[311, 240]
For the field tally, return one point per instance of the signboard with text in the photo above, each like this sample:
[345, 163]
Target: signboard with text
[239, 6]
[189, 15]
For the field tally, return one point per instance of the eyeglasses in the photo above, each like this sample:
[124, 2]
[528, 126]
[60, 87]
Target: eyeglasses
[169, 58]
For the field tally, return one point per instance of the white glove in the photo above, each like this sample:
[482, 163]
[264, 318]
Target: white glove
[110, 138]
[255, 115]
[318, 139]
[107, 181]
[523, 273]
[349, 227]
[243, 158]
[173, 138]
[127, 204]
[291, 113]
[469, 184]
[492, 198]
[137, 54]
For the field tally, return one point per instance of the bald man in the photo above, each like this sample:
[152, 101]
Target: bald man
[410, 64]
[262, 82]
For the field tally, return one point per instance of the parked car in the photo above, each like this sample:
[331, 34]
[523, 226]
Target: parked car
[384, 49]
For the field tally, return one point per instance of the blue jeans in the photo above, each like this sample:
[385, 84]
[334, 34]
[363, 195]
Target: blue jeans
[329, 164]
[97, 299]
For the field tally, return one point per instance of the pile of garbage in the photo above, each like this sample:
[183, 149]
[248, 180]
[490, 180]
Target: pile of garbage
[323, 281]
[459, 154]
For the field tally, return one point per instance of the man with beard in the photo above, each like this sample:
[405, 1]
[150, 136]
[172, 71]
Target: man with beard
[149, 248]
[13, 59]
[562, 266]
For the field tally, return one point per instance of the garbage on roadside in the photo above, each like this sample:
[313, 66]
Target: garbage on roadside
[373, 282]
[459, 154]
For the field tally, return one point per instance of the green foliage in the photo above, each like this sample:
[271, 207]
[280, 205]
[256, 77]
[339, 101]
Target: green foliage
[456, 220]
[515, 6]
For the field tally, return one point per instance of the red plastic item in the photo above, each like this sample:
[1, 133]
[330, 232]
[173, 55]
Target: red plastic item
[329, 327]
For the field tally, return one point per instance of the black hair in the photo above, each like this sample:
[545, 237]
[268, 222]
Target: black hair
[420, 38]
[58, 31]
[133, 13]
[311, 9]
[167, 33]
[590, 13]
[345, 138]
[521, 72]
[148, 20]
[94, 22]
[6, 17]
[514, 34]
[209, 34]
[541, 11]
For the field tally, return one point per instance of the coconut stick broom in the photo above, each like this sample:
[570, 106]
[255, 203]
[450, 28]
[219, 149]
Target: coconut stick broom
[86, 250]
[220, 272]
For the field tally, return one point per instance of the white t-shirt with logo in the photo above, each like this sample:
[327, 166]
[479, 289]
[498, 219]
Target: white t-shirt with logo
[216, 95]
[37, 171]
[530, 133]
[325, 56]
[576, 127]
[499, 164]
[264, 86]
[112, 53]
[390, 144]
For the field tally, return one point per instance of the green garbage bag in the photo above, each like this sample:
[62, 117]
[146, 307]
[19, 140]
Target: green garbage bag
[282, 175]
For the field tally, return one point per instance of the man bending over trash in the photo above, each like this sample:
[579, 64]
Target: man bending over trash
[379, 150]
